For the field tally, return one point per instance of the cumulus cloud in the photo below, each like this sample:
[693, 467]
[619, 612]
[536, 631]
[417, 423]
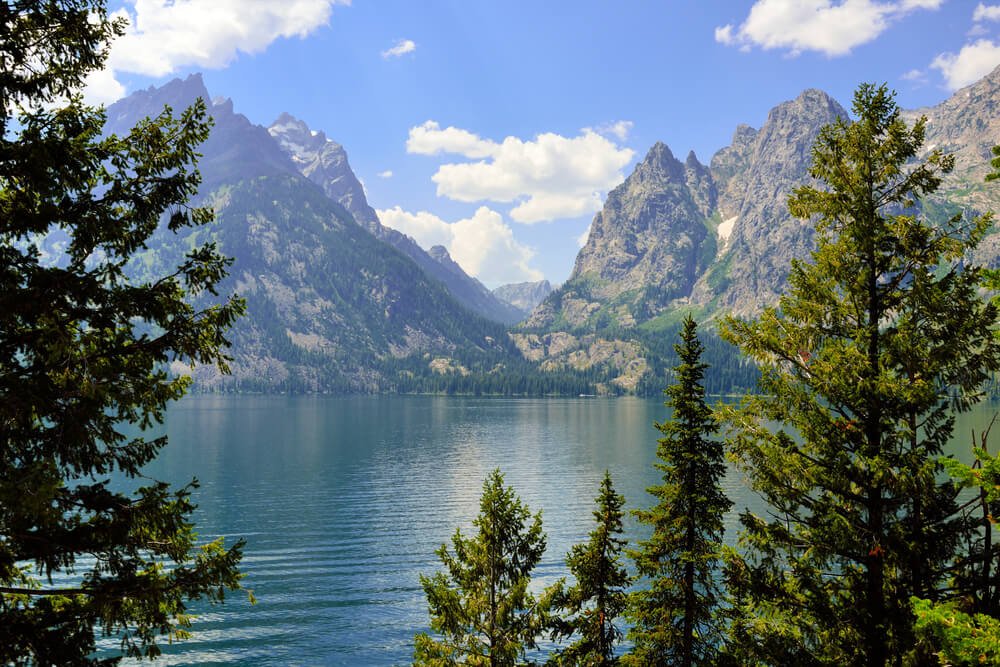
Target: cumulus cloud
[829, 27]
[986, 13]
[913, 75]
[483, 245]
[385, 174]
[430, 139]
[582, 239]
[973, 62]
[165, 35]
[618, 129]
[549, 177]
[400, 48]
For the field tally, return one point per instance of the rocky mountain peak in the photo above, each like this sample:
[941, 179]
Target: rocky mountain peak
[967, 126]
[440, 253]
[524, 296]
[178, 94]
[236, 149]
[755, 176]
[325, 163]
[658, 166]
[300, 142]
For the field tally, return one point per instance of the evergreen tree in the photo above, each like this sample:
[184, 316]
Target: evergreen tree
[84, 351]
[674, 619]
[480, 607]
[599, 596]
[875, 344]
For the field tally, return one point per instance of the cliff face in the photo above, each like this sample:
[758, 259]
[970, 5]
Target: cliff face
[330, 306]
[646, 247]
[324, 162]
[755, 176]
[523, 296]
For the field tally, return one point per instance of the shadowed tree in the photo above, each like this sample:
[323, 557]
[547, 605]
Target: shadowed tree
[599, 596]
[674, 610]
[84, 353]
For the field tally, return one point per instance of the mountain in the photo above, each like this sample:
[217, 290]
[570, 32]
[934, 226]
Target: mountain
[524, 296]
[680, 234]
[754, 176]
[339, 301]
[646, 248]
[331, 307]
[324, 162]
[967, 125]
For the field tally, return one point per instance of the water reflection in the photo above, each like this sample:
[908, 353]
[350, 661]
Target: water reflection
[344, 500]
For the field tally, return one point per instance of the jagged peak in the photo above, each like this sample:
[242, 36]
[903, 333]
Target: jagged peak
[693, 163]
[659, 152]
[187, 89]
[660, 164]
[810, 102]
[439, 253]
[743, 132]
[288, 125]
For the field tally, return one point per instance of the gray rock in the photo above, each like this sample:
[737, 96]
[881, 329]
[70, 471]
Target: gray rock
[324, 162]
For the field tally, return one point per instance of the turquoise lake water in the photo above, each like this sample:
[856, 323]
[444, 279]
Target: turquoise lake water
[343, 502]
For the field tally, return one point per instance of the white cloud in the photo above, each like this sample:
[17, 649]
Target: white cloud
[914, 75]
[385, 174]
[582, 239]
[165, 35]
[400, 48]
[973, 62]
[986, 13]
[483, 245]
[829, 27]
[549, 177]
[102, 87]
[430, 139]
[618, 129]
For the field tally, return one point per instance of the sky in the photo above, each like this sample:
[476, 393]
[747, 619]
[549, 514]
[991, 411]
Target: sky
[497, 128]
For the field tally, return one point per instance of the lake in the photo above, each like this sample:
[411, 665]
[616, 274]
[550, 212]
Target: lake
[343, 502]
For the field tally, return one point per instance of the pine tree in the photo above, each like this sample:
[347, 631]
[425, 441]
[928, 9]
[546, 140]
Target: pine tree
[674, 619]
[599, 597]
[480, 606]
[877, 341]
[84, 351]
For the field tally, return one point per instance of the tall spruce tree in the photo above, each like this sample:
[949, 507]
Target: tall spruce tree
[877, 341]
[83, 352]
[674, 618]
[599, 596]
[480, 606]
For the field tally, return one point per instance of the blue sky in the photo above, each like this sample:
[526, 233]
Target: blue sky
[497, 128]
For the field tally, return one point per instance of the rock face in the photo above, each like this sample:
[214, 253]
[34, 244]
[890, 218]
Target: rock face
[329, 305]
[966, 125]
[236, 149]
[324, 162]
[523, 296]
[756, 174]
[646, 248]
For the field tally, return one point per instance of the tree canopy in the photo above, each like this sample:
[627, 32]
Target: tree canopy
[876, 344]
[84, 352]
[480, 606]
[673, 609]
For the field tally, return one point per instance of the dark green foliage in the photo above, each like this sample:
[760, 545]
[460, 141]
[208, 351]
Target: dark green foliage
[480, 607]
[876, 344]
[674, 616]
[83, 353]
[590, 608]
